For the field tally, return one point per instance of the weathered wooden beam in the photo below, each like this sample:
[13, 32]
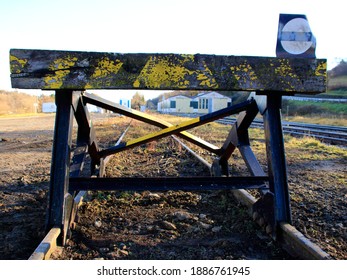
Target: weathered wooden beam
[47, 246]
[48, 69]
[295, 243]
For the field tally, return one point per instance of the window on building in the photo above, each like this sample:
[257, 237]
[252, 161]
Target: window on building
[172, 104]
[194, 104]
[203, 103]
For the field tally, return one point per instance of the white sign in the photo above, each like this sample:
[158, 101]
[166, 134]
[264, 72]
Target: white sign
[296, 36]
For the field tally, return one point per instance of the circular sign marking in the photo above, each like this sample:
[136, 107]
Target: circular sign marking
[296, 26]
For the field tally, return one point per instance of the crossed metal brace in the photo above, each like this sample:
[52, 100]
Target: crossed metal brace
[272, 207]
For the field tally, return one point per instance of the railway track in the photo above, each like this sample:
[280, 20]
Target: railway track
[293, 241]
[336, 135]
[290, 239]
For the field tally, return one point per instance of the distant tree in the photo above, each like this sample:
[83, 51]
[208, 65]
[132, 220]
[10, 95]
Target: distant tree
[137, 101]
[151, 105]
[339, 70]
[13, 102]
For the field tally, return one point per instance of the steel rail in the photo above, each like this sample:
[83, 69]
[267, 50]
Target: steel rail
[49, 244]
[299, 124]
[331, 134]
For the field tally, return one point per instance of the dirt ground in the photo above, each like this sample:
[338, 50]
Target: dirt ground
[25, 149]
[159, 225]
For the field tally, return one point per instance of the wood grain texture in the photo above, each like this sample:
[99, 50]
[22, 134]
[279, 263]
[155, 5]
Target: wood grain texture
[48, 69]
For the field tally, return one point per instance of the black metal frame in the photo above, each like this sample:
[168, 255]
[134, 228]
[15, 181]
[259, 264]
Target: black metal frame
[273, 206]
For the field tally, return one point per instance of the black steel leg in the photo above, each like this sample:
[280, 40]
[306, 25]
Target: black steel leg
[59, 198]
[276, 158]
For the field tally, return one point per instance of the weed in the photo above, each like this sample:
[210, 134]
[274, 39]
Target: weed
[125, 195]
[102, 196]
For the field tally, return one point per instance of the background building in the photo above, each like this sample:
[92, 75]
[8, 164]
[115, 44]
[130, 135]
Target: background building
[205, 102]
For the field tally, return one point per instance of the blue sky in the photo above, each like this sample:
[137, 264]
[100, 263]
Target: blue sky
[225, 27]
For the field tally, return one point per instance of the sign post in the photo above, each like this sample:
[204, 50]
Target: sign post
[295, 38]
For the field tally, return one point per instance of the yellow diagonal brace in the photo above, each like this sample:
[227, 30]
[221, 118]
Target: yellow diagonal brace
[163, 132]
[106, 104]
[174, 129]
[150, 137]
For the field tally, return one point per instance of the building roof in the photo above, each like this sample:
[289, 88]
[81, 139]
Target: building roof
[176, 96]
[210, 94]
[200, 95]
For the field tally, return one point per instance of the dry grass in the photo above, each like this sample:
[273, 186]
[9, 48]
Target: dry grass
[338, 121]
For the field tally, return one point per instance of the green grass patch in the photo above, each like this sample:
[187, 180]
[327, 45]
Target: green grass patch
[303, 108]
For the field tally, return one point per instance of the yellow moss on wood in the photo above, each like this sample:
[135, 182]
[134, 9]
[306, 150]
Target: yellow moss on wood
[17, 64]
[206, 78]
[106, 67]
[63, 63]
[92, 70]
[245, 75]
[166, 71]
[61, 68]
[321, 69]
[56, 80]
[161, 72]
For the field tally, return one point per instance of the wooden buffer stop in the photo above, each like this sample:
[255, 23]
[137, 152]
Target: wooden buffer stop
[71, 73]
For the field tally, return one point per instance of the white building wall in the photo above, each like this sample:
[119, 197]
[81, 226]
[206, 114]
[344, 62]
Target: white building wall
[207, 103]
[220, 103]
